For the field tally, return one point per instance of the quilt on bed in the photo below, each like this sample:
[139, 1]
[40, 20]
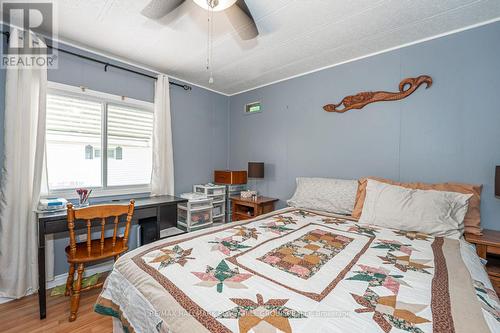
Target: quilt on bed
[299, 271]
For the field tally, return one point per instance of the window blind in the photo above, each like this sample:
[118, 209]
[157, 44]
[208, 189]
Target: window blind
[69, 117]
[130, 149]
[74, 129]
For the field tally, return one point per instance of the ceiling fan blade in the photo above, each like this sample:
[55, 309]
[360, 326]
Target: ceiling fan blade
[242, 20]
[156, 9]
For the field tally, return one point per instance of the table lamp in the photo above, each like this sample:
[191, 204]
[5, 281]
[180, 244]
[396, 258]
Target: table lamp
[256, 171]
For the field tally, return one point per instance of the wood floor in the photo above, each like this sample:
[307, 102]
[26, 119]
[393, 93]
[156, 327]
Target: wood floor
[22, 316]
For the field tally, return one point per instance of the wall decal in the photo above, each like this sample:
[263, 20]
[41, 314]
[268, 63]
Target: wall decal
[360, 100]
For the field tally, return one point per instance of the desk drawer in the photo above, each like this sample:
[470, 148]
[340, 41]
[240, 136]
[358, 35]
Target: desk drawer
[56, 226]
[144, 213]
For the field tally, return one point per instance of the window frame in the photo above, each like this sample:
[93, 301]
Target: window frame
[104, 99]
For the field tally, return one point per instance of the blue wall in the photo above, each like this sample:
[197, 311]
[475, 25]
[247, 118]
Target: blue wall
[450, 132]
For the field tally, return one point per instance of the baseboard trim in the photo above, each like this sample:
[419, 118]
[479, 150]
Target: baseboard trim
[5, 300]
[100, 268]
[61, 278]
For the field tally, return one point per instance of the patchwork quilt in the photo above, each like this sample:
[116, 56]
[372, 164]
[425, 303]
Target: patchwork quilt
[301, 271]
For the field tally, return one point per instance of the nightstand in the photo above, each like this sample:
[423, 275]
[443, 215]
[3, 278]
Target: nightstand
[488, 247]
[244, 209]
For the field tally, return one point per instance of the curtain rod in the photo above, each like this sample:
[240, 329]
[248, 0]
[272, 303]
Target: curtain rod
[106, 64]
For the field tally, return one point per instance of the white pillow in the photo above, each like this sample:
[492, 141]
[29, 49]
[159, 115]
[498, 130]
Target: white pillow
[437, 213]
[325, 194]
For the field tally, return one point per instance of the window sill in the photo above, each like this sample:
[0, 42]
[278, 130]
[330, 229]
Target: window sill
[100, 192]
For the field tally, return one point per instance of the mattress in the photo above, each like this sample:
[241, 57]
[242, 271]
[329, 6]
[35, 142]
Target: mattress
[301, 271]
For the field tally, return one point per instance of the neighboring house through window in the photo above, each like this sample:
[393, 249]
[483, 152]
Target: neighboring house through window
[81, 125]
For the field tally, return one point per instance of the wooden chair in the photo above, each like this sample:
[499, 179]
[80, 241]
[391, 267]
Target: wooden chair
[92, 250]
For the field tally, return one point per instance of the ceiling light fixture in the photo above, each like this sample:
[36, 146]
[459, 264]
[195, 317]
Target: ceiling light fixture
[215, 5]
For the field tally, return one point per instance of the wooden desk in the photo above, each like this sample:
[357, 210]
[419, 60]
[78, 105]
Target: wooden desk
[244, 209]
[163, 208]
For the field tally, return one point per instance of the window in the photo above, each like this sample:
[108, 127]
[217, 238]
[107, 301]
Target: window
[97, 140]
[129, 146]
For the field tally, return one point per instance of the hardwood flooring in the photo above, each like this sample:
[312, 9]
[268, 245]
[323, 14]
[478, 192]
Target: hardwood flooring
[22, 316]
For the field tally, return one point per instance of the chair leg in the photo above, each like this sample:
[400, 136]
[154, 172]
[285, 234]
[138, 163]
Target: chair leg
[69, 281]
[75, 296]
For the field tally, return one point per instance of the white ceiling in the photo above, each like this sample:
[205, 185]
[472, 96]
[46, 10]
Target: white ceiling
[295, 36]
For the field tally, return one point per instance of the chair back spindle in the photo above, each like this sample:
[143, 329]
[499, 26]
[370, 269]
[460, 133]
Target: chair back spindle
[103, 223]
[115, 230]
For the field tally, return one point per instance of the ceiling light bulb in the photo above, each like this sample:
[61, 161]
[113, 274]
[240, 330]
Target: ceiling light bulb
[223, 4]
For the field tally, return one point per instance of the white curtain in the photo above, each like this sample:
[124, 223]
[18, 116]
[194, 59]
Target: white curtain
[162, 177]
[22, 174]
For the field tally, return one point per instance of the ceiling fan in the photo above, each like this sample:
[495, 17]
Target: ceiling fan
[236, 11]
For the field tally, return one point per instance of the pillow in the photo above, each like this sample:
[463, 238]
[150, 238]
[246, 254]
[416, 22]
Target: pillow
[472, 219]
[325, 194]
[437, 213]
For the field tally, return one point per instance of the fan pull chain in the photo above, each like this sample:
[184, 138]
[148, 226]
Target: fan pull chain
[210, 37]
[211, 79]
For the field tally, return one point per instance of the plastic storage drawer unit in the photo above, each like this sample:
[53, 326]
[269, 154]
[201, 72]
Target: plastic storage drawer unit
[196, 213]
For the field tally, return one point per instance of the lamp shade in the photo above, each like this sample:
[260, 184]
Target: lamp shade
[497, 181]
[255, 169]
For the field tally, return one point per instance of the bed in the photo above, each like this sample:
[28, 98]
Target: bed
[297, 270]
